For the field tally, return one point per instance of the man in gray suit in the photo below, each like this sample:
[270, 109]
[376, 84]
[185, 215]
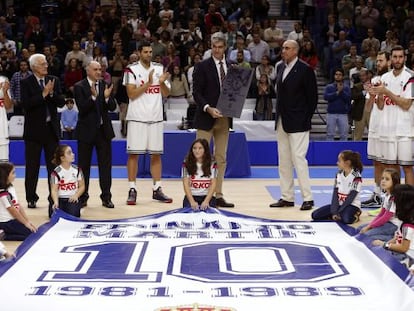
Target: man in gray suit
[296, 101]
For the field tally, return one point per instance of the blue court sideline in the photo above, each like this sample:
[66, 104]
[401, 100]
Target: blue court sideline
[257, 172]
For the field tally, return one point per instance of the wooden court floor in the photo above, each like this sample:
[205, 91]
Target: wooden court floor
[249, 195]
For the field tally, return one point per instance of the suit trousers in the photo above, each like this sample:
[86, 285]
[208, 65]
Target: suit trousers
[292, 149]
[33, 151]
[220, 133]
[361, 125]
[104, 156]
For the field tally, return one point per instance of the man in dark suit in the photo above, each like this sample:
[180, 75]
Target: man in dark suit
[296, 92]
[208, 76]
[40, 96]
[94, 129]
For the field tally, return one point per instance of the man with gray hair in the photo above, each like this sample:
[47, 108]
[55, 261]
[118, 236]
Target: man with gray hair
[296, 100]
[40, 96]
[210, 123]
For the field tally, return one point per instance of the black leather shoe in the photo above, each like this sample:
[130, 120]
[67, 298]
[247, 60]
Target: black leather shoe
[108, 204]
[282, 203]
[84, 203]
[306, 205]
[31, 204]
[220, 202]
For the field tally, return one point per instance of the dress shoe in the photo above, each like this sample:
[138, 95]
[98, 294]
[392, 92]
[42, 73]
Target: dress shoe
[84, 204]
[282, 203]
[220, 202]
[31, 204]
[108, 204]
[306, 205]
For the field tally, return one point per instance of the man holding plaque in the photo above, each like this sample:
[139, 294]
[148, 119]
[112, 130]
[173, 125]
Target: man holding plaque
[210, 123]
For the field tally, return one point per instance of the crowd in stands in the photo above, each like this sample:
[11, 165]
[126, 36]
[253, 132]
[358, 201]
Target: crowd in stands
[332, 34]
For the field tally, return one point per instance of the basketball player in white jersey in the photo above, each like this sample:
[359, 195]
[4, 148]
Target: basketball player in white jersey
[5, 104]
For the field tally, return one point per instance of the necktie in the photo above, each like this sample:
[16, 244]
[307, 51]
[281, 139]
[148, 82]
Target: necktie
[42, 86]
[222, 73]
[98, 107]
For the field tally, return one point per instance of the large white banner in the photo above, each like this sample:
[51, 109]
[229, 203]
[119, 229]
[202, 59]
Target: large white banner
[184, 260]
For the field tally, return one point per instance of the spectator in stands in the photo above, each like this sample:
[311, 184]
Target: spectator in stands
[369, 16]
[274, 38]
[40, 96]
[117, 64]
[359, 114]
[7, 65]
[196, 60]
[153, 21]
[350, 30]
[329, 35]
[133, 20]
[166, 12]
[179, 84]
[345, 10]
[354, 72]
[246, 26]
[7, 43]
[358, 16]
[69, 119]
[31, 21]
[171, 59]
[15, 89]
[53, 63]
[338, 96]
[89, 45]
[158, 49]
[265, 94]
[296, 33]
[212, 18]
[239, 47]
[37, 37]
[266, 68]
[195, 32]
[76, 53]
[240, 60]
[390, 41]
[258, 48]
[143, 31]
[408, 28]
[99, 56]
[72, 36]
[231, 33]
[309, 55]
[371, 61]
[350, 61]
[73, 74]
[369, 42]
[340, 48]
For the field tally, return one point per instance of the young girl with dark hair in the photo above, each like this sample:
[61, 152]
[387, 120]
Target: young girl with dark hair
[345, 204]
[384, 225]
[401, 245]
[199, 173]
[67, 182]
[13, 219]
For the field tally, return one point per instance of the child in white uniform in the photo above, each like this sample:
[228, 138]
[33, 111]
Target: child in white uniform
[67, 182]
[199, 173]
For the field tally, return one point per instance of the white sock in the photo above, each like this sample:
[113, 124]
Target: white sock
[132, 185]
[156, 185]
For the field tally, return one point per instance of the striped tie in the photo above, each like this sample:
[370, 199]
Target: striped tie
[222, 73]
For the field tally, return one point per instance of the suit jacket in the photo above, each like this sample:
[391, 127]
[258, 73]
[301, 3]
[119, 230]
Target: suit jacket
[206, 90]
[91, 111]
[296, 97]
[35, 126]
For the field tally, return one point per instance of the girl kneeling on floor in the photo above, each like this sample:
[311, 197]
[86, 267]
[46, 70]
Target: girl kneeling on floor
[345, 204]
